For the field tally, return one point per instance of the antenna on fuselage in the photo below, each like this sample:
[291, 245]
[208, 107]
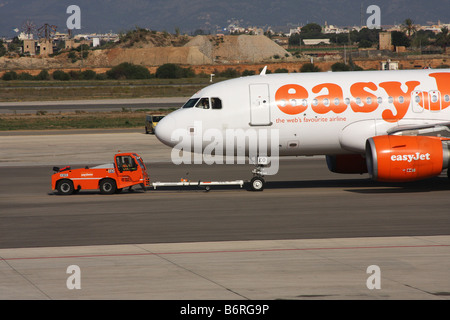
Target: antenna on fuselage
[263, 71]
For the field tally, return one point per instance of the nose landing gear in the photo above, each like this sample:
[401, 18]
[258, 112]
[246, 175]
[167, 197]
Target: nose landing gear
[257, 182]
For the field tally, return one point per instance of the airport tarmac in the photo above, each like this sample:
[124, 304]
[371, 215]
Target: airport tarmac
[99, 105]
[310, 234]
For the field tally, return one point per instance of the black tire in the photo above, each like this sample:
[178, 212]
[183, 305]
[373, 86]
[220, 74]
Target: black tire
[65, 187]
[257, 184]
[108, 186]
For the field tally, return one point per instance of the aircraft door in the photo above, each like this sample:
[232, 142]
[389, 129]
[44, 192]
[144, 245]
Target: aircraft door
[259, 105]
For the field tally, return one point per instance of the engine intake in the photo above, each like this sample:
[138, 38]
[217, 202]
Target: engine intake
[406, 158]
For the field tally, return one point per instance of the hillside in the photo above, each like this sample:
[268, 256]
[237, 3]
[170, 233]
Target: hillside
[155, 49]
[237, 49]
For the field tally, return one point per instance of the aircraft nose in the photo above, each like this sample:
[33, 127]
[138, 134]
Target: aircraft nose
[164, 129]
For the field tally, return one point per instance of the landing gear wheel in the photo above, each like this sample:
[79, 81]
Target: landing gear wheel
[65, 187]
[257, 184]
[108, 186]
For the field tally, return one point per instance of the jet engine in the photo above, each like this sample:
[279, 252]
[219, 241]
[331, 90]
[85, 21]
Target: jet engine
[406, 158]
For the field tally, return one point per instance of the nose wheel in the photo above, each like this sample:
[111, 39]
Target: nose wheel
[257, 183]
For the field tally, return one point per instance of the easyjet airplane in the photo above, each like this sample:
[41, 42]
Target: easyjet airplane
[395, 125]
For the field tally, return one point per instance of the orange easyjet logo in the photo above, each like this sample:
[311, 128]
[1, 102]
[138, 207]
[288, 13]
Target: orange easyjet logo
[292, 99]
[411, 157]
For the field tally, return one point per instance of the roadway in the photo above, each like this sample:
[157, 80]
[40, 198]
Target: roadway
[309, 234]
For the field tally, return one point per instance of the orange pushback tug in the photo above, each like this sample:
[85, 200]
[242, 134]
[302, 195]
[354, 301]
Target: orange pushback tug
[127, 170]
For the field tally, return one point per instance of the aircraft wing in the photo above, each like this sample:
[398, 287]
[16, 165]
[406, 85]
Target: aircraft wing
[437, 130]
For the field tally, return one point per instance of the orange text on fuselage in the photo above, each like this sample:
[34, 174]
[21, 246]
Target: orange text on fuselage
[292, 99]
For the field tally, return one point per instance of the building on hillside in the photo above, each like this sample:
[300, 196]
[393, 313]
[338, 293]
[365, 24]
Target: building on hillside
[314, 42]
[389, 65]
[29, 46]
[46, 47]
[385, 41]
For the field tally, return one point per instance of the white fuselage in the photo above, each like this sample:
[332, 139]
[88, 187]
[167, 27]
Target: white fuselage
[314, 113]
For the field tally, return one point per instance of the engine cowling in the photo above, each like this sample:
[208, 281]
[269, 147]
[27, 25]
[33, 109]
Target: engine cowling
[406, 158]
[347, 163]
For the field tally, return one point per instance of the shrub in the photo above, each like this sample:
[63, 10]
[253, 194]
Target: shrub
[10, 75]
[309, 67]
[248, 73]
[229, 73]
[169, 71]
[128, 71]
[340, 66]
[25, 76]
[88, 75]
[60, 75]
[43, 75]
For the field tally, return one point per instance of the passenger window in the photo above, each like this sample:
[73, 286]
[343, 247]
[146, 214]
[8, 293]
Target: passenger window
[446, 98]
[216, 103]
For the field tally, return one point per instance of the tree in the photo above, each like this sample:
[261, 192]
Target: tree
[312, 28]
[295, 40]
[422, 38]
[2, 49]
[365, 37]
[364, 44]
[443, 38]
[409, 27]
[400, 39]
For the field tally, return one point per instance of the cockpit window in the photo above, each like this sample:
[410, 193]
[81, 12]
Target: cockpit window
[203, 104]
[190, 103]
[216, 103]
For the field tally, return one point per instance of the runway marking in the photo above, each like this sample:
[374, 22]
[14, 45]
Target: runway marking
[222, 251]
